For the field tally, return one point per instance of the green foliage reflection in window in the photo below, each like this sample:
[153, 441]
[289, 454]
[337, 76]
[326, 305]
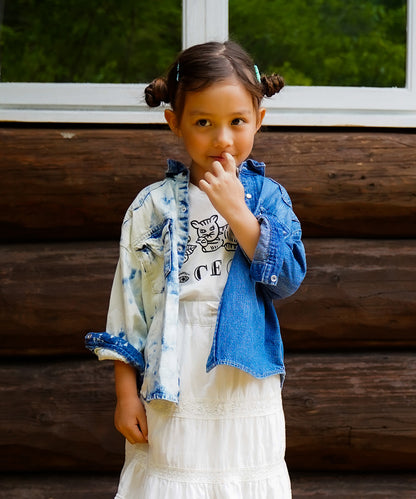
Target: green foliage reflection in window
[96, 41]
[325, 42]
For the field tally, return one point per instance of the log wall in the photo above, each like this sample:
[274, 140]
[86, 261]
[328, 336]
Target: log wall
[349, 332]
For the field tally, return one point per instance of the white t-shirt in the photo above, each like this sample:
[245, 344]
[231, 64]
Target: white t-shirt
[209, 252]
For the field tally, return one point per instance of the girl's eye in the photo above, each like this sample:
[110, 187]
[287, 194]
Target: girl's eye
[203, 123]
[238, 121]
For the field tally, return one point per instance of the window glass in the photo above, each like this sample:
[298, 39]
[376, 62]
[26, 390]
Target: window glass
[325, 42]
[95, 41]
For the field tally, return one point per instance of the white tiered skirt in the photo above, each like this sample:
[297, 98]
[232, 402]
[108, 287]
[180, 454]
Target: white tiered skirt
[224, 440]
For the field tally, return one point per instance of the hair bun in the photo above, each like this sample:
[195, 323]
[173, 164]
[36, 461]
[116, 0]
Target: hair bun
[272, 84]
[156, 92]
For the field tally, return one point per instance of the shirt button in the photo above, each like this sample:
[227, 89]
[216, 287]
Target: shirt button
[183, 209]
[273, 278]
[248, 195]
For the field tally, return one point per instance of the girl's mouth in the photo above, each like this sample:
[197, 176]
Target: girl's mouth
[218, 158]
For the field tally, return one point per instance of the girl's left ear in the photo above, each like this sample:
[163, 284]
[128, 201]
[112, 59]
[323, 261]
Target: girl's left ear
[260, 117]
[170, 117]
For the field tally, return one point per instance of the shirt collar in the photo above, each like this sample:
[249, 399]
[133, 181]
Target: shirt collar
[175, 168]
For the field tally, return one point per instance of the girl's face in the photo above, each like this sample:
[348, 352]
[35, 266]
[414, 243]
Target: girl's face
[219, 119]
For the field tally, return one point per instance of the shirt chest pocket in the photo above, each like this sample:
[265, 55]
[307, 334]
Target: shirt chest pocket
[154, 252]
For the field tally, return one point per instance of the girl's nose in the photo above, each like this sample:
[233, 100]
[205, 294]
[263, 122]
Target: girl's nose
[223, 137]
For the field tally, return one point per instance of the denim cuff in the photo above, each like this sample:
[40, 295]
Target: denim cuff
[123, 349]
[268, 257]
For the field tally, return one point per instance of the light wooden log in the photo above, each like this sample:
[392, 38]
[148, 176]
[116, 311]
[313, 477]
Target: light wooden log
[344, 413]
[77, 183]
[357, 294]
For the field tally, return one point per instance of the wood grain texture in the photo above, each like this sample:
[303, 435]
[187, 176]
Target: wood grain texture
[77, 183]
[335, 486]
[58, 416]
[343, 412]
[351, 412]
[347, 486]
[58, 486]
[357, 294]
[349, 396]
[352, 183]
[52, 295]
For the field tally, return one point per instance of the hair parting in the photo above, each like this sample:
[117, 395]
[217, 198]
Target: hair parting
[202, 65]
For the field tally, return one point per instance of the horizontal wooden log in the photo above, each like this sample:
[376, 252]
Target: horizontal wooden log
[352, 183]
[351, 411]
[357, 294]
[60, 486]
[52, 295]
[58, 416]
[343, 412]
[77, 183]
[346, 485]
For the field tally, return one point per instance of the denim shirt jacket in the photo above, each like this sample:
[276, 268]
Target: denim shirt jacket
[143, 312]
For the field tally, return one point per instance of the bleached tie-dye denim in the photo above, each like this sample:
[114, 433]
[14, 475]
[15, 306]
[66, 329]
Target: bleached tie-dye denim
[143, 311]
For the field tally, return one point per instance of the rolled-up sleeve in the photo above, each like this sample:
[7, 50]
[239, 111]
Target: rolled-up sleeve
[279, 260]
[126, 329]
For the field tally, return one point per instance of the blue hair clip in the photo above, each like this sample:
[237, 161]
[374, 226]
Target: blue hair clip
[256, 70]
[177, 72]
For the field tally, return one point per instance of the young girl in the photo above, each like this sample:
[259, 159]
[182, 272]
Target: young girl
[191, 321]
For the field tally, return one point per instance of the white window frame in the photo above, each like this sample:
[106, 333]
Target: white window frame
[205, 20]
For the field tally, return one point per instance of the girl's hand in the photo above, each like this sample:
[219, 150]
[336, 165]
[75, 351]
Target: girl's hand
[130, 414]
[226, 194]
[223, 187]
[130, 419]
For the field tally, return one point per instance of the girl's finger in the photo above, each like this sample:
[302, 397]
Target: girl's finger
[135, 436]
[143, 426]
[217, 168]
[142, 420]
[229, 164]
[209, 178]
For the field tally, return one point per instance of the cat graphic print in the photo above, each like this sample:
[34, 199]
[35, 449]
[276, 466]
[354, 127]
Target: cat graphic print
[211, 236]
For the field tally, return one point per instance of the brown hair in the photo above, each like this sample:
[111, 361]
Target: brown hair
[202, 65]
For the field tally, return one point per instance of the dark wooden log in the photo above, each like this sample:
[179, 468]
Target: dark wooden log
[77, 183]
[354, 412]
[52, 295]
[353, 183]
[382, 486]
[62, 486]
[76, 486]
[58, 416]
[357, 294]
[344, 412]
